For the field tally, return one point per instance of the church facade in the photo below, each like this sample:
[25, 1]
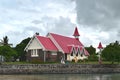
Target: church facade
[55, 47]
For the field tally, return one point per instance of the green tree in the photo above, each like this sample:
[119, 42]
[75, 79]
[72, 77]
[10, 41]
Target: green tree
[92, 52]
[112, 52]
[7, 52]
[4, 42]
[21, 54]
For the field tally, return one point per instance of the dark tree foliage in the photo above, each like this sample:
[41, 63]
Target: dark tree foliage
[7, 52]
[5, 40]
[20, 49]
[92, 52]
[5, 49]
[112, 52]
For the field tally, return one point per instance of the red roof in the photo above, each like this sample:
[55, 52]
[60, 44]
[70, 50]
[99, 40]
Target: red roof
[64, 42]
[100, 46]
[78, 48]
[76, 33]
[86, 52]
[70, 48]
[67, 44]
[47, 43]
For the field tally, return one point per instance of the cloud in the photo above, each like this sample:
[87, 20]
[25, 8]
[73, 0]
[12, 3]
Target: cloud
[60, 25]
[36, 21]
[16, 37]
[98, 14]
[64, 26]
[102, 17]
[97, 20]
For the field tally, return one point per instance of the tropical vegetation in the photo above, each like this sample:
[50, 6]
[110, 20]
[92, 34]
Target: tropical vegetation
[110, 53]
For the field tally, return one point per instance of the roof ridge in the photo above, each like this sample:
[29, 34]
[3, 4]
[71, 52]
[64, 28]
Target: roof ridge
[42, 36]
[62, 35]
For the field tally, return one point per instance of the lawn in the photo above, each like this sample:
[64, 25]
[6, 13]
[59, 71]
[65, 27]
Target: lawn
[87, 62]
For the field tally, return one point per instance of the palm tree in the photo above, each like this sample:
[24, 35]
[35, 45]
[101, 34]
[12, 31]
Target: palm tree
[5, 41]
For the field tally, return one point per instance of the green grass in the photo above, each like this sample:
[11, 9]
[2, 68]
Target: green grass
[92, 62]
[86, 62]
[15, 63]
[96, 62]
[30, 63]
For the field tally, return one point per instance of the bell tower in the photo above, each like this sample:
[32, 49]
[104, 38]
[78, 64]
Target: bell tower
[76, 34]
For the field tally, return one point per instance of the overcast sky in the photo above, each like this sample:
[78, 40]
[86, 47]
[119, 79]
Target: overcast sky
[97, 20]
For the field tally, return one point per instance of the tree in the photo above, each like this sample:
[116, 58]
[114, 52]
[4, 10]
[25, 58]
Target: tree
[5, 40]
[7, 52]
[92, 52]
[112, 52]
[20, 49]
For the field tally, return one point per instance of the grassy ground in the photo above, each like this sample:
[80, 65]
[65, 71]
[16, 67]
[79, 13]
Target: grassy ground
[96, 62]
[15, 63]
[29, 63]
[87, 62]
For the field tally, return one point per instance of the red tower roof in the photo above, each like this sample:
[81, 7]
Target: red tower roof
[76, 33]
[100, 46]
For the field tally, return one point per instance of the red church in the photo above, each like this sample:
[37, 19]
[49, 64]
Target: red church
[53, 47]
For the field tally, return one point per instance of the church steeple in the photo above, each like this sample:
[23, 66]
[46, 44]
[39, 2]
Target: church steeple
[76, 34]
[100, 46]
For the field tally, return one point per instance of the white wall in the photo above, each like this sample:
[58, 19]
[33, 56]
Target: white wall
[70, 58]
[35, 44]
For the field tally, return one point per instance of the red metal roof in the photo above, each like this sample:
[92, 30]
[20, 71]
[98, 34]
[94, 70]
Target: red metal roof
[47, 43]
[100, 46]
[86, 52]
[76, 48]
[64, 42]
[76, 33]
[70, 48]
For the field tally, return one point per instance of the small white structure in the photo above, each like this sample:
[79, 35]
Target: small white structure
[2, 58]
[99, 54]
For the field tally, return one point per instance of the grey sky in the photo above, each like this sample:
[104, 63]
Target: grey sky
[101, 16]
[97, 20]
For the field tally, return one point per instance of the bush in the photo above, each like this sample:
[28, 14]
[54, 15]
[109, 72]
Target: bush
[36, 61]
[93, 57]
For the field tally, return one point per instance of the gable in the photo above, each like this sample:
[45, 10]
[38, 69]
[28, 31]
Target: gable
[35, 44]
[47, 43]
[63, 42]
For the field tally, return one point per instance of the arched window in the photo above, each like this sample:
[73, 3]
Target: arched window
[81, 55]
[82, 52]
[73, 52]
[77, 54]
